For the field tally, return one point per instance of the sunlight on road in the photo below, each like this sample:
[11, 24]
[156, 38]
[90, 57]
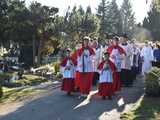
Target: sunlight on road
[113, 113]
[120, 102]
[108, 115]
[87, 100]
[10, 108]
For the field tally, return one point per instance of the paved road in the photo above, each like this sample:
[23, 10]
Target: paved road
[58, 106]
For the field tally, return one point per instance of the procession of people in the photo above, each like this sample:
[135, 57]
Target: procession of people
[110, 66]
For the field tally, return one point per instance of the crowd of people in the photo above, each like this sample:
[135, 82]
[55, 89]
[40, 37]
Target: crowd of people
[112, 66]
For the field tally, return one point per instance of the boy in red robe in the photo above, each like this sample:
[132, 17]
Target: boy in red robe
[67, 67]
[116, 55]
[106, 70]
[85, 67]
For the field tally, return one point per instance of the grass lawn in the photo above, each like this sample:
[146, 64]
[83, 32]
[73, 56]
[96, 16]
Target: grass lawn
[27, 80]
[31, 80]
[13, 94]
[148, 109]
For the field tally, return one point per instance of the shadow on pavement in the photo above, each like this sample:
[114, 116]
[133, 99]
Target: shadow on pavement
[59, 106]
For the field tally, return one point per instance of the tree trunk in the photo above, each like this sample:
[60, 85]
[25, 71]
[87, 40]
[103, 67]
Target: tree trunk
[39, 52]
[34, 48]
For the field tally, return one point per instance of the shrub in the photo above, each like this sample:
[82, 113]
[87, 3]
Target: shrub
[6, 81]
[56, 67]
[4, 77]
[152, 82]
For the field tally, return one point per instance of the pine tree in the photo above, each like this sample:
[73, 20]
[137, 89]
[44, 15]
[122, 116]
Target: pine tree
[152, 22]
[101, 13]
[79, 23]
[80, 10]
[128, 19]
[91, 22]
[113, 18]
[88, 11]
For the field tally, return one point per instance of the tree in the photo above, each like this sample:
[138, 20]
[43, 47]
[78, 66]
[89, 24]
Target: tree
[73, 20]
[101, 13]
[91, 23]
[79, 23]
[151, 22]
[42, 18]
[19, 29]
[88, 10]
[113, 18]
[128, 19]
[81, 10]
[3, 20]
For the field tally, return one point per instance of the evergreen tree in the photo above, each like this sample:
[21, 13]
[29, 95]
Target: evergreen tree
[152, 22]
[79, 23]
[81, 10]
[128, 19]
[113, 18]
[3, 20]
[88, 11]
[101, 13]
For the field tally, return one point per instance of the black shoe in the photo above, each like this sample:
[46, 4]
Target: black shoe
[69, 93]
[109, 97]
[76, 90]
[103, 97]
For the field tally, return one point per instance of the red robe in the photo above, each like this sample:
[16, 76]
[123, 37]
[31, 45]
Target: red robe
[68, 83]
[80, 51]
[84, 79]
[75, 56]
[64, 61]
[105, 88]
[120, 49]
[116, 76]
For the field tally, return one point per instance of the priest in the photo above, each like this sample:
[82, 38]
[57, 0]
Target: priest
[147, 58]
[126, 75]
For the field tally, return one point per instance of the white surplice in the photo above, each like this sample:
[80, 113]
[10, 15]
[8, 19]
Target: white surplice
[97, 58]
[87, 66]
[147, 55]
[117, 59]
[126, 61]
[105, 75]
[68, 73]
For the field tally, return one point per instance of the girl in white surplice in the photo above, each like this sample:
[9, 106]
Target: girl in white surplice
[67, 67]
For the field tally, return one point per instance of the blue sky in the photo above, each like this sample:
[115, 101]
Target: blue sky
[139, 6]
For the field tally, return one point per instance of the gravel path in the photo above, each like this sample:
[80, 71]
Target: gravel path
[55, 105]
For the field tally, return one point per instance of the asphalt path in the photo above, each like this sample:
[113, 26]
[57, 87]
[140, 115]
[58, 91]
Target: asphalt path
[56, 105]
